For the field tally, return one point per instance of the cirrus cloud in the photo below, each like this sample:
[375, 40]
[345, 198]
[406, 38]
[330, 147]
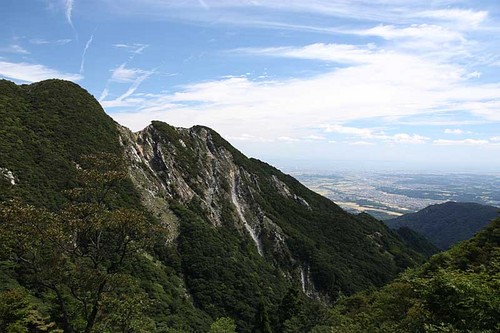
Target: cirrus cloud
[27, 72]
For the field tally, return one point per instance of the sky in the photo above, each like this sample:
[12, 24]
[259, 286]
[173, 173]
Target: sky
[319, 84]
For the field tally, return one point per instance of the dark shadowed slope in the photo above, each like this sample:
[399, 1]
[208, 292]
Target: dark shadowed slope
[456, 291]
[448, 223]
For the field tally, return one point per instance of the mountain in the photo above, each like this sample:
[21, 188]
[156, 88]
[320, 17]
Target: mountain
[417, 242]
[455, 291]
[96, 219]
[447, 223]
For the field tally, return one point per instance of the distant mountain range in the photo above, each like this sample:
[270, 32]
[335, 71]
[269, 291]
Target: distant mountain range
[448, 223]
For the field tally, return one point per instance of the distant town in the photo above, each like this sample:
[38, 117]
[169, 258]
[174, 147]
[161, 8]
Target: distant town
[387, 195]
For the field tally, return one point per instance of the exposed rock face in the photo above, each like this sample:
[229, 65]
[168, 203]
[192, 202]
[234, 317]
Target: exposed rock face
[196, 166]
[240, 231]
[212, 179]
[8, 175]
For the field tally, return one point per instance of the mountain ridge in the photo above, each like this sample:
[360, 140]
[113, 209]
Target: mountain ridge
[447, 223]
[240, 232]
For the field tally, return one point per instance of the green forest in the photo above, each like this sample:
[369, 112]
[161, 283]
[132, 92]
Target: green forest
[81, 252]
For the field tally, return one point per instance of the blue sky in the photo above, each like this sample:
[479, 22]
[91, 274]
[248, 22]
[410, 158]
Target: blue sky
[383, 84]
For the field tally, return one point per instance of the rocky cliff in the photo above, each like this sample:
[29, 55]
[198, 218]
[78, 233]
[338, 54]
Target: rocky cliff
[240, 232]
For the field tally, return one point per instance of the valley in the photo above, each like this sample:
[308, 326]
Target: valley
[386, 195]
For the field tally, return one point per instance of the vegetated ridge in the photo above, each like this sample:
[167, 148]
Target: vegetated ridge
[448, 223]
[234, 237]
[455, 291]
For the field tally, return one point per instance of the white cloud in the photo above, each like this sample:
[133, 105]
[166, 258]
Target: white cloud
[136, 76]
[33, 72]
[249, 138]
[468, 142]
[495, 139]
[456, 131]
[14, 48]
[69, 11]
[313, 137]
[408, 138]
[342, 53]
[134, 48]
[122, 74]
[361, 143]
[435, 33]
[368, 133]
[287, 139]
[462, 18]
[358, 9]
[104, 94]
[203, 4]
[87, 45]
[412, 71]
[41, 41]
[362, 132]
[390, 85]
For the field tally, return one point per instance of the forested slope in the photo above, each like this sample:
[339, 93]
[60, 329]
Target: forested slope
[166, 229]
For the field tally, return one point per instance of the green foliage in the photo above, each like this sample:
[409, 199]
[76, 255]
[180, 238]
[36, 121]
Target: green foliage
[188, 157]
[340, 249]
[19, 314]
[448, 223]
[456, 291]
[78, 253]
[417, 242]
[78, 238]
[223, 325]
[224, 273]
[45, 128]
[262, 323]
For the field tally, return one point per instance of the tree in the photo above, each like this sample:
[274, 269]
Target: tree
[19, 314]
[262, 322]
[223, 325]
[78, 254]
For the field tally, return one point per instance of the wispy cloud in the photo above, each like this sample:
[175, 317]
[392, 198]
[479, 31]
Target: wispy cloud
[135, 49]
[41, 41]
[204, 4]
[27, 72]
[122, 74]
[361, 143]
[287, 139]
[314, 137]
[362, 132]
[388, 62]
[435, 33]
[14, 48]
[104, 94]
[393, 84]
[462, 18]
[467, 142]
[369, 133]
[341, 53]
[68, 4]
[249, 138]
[87, 45]
[455, 131]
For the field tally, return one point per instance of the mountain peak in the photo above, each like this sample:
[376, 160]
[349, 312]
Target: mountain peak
[239, 230]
